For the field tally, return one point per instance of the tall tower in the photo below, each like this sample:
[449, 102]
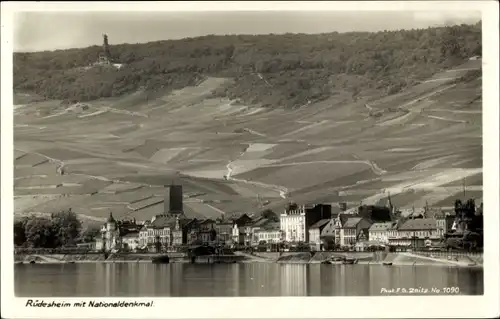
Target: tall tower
[105, 47]
[173, 203]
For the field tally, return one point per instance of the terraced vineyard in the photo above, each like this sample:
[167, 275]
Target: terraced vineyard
[117, 154]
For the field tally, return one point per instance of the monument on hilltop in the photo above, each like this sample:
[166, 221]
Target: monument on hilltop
[105, 55]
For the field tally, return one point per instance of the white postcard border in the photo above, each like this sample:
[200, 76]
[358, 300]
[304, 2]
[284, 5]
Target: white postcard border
[266, 307]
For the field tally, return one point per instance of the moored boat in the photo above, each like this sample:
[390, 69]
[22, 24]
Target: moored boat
[161, 260]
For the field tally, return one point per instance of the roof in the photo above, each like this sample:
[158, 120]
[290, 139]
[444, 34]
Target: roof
[207, 221]
[164, 221]
[336, 210]
[235, 216]
[352, 222]
[272, 226]
[131, 234]
[320, 223]
[381, 226]
[375, 213]
[329, 229]
[224, 224]
[419, 224]
[261, 222]
[343, 218]
[111, 219]
[183, 222]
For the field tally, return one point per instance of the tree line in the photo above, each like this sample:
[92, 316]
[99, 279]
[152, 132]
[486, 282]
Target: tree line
[297, 68]
[62, 229]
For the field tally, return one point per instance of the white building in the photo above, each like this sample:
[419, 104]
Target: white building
[379, 232]
[110, 235]
[116, 235]
[157, 233]
[130, 241]
[269, 233]
[293, 224]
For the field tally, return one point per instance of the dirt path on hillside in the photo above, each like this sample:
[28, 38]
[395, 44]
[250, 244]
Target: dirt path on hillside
[373, 166]
[445, 119]
[283, 191]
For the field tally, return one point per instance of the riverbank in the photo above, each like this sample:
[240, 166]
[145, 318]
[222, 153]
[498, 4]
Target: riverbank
[370, 258]
[365, 258]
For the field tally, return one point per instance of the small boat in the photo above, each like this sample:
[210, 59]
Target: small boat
[387, 264]
[161, 260]
[326, 262]
[71, 262]
[32, 262]
[350, 261]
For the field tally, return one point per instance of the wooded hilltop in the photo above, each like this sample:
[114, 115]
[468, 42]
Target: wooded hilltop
[287, 70]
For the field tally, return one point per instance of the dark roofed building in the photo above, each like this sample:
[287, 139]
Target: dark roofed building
[224, 232]
[202, 231]
[320, 224]
[376, 214]
[344, 217]
[240, 219]
[419, 224]
[329, 229]
[351, 222]
[417, 233]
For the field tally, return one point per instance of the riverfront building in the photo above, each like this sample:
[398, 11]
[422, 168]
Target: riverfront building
[270, 233]
[155, 235]
[416, 233]
[379, 232]
[352, 229]
[117, 235]
[315, 242]
[296, 220]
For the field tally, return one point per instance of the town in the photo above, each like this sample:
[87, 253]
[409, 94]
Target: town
[313, 227]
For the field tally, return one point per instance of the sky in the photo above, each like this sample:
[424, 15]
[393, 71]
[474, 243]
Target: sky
[38, 31]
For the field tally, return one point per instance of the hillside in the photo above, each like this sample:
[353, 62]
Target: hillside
[289, 70]
[118, 152]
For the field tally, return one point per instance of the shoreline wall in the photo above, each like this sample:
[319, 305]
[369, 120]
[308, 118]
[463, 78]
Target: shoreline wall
[285, 258]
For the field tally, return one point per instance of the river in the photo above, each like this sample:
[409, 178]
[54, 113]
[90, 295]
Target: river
[235, 280]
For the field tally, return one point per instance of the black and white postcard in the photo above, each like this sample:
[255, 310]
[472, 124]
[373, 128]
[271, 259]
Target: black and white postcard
[250, 159]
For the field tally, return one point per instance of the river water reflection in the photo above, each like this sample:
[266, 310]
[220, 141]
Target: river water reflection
[242, 280]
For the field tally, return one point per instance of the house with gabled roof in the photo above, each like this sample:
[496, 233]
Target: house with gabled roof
[351, 229]
[118, 234]
[202, 231]
[156, 235]
[379, 232]
[269, 233]
[315, 230]
[418, 232]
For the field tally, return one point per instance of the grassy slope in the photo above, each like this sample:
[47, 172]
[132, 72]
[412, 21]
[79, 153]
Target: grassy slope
[432, 130]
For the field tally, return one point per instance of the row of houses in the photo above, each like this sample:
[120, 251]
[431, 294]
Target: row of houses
[320, 226]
